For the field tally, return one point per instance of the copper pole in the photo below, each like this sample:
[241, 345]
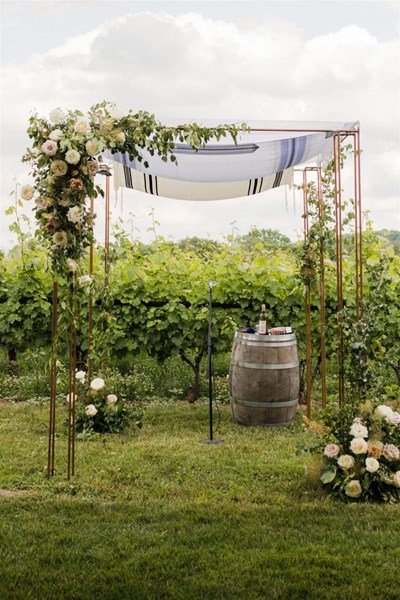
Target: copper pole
[72, 383]
[307, 302]
[90, 305]
[322, 287]
[107, 233]
[339, 261]
[360, 241]
[53, 384]
[356, 231]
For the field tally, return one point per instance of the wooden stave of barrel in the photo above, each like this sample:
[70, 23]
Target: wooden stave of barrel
[264, 379]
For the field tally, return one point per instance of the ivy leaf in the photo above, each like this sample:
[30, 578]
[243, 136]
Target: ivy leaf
[328, 474]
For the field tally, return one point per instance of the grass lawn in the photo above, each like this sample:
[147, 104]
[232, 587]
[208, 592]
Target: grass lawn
[155, 514]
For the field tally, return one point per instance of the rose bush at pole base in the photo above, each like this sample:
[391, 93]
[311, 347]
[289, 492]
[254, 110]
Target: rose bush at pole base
[359, 451]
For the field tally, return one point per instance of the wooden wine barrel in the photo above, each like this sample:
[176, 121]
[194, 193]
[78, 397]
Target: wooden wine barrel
[264, 379]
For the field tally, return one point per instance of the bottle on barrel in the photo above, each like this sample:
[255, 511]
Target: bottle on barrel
[262, 324]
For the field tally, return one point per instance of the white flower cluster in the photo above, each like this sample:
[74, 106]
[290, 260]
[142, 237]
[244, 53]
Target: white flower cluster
[373, 449]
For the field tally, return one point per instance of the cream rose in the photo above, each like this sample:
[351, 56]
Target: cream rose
[397, 479]
[358, 430]
[80, 376]
[49, 147]
[72, 266]
[331, 450]
[383, 411]
[358, 445]
[119, 136]
[60, 239]
[372, 465]
[91, 410]
[346, 462]
[59, 167]
[65, 202]
[353, 489]
[74, 214]
[97, 384]
[82, 127]
[72, 157]
[56, 135]
[72, 397]
[111, 399]
[391, 452]
[85, 280]
[57, 115]
[93, 147]
[27, 192]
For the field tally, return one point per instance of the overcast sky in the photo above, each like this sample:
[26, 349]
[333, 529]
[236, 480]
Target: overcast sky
[247, 60]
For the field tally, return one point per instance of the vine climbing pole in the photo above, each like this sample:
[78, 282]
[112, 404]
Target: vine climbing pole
[306, 224]
[53, 384]
[338, 138]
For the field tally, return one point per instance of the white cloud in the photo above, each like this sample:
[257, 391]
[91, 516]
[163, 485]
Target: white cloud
[190, 66]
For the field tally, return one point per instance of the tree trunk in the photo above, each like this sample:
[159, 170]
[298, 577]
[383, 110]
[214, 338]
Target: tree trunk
[396, 369]
[13, 368]
[193, 390]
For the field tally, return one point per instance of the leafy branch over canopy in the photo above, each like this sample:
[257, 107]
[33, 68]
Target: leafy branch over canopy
[66, 155]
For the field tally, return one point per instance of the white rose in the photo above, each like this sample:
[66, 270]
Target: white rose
[115, 113]
[358, 430]
[91, 410]
[56, 135]
[397, 479]
[27, 192]
[60, 239]
[346, 462]
[80, 376]
[372, 465]
[71, 396]
[358, 445]
[72, 157]
[111, 399]
[93, 147]
[74, 214]
[57, 116]
[72, 266]
[49, 147]
[97, 384]
[85, 280]
[82, 127]
[383, 411]
[353, 489]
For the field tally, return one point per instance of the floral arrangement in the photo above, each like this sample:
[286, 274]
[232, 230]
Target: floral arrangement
[359, 453]
[100, 411]
[66, 156]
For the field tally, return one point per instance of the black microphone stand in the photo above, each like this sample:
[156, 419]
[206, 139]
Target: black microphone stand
[209, 369]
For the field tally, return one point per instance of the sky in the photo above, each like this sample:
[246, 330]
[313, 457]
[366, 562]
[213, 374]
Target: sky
[327, 60]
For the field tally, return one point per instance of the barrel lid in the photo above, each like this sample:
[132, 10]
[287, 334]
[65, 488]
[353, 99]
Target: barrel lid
[265, 339]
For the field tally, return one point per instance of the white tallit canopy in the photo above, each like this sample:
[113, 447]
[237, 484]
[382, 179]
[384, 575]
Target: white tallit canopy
[261, 159]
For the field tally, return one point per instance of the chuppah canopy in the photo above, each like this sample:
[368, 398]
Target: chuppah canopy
[261, 159]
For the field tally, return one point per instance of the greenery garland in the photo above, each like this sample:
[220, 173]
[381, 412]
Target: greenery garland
[66, 156]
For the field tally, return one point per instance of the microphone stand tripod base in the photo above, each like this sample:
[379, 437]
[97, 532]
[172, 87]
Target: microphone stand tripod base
[212, 441]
